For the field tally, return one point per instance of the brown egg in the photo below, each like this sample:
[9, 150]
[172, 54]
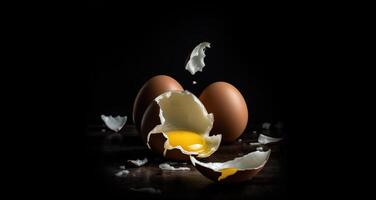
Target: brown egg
[229, 109]
[151, 89]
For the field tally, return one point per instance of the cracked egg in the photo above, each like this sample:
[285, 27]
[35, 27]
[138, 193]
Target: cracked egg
[149, 91]
[177, 125]
[237, 170]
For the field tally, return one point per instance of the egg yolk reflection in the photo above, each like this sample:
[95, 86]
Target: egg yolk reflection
[189, 141]
[227, 172]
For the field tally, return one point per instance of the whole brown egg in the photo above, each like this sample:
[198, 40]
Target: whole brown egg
[229, 109]
[149, 91]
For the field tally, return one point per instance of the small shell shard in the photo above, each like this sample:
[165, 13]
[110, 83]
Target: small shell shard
[122, 173]
[166, 166]
[264, 139]
[138, 162]
[114, 123]
[196, 61]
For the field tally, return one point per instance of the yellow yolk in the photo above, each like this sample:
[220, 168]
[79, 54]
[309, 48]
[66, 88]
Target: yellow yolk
[189, 141]
[227, 172]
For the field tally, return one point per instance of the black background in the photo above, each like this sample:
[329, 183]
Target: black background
[127, 48]
[73, 62]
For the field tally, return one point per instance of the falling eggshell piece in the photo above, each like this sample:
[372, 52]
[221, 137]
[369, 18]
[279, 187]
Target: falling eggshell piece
[149, 91]
[229, 109]
[177, 125]
[237, 170]
[196, 60]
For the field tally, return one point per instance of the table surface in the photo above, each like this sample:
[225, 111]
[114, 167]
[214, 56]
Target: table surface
[116, 148]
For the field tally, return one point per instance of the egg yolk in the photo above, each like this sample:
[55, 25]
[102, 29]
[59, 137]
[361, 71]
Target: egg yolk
[189, 141]
[227, 172]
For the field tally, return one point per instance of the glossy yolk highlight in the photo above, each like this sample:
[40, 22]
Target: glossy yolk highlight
[189, 141]
[227, 172]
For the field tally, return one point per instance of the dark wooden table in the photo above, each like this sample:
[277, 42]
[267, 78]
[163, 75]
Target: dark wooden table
[116, 148]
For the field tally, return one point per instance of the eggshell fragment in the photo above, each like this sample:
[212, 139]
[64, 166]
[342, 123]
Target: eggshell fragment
[166, 166]
[138, 162]
[114, 123]
[122, 173]
[149, 91]
[264, 139]
[196, 59]
[247, 167]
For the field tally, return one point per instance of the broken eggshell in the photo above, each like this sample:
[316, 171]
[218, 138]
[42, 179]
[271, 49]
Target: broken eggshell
[114, 123]
[122, 173]
[138, 162]
[264, 139]
[166, 166]
[149, 91]
[177, 110]
[246, 167]
[196, 59]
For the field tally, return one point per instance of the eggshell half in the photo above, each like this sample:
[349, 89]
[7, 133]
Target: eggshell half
[248, 166]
